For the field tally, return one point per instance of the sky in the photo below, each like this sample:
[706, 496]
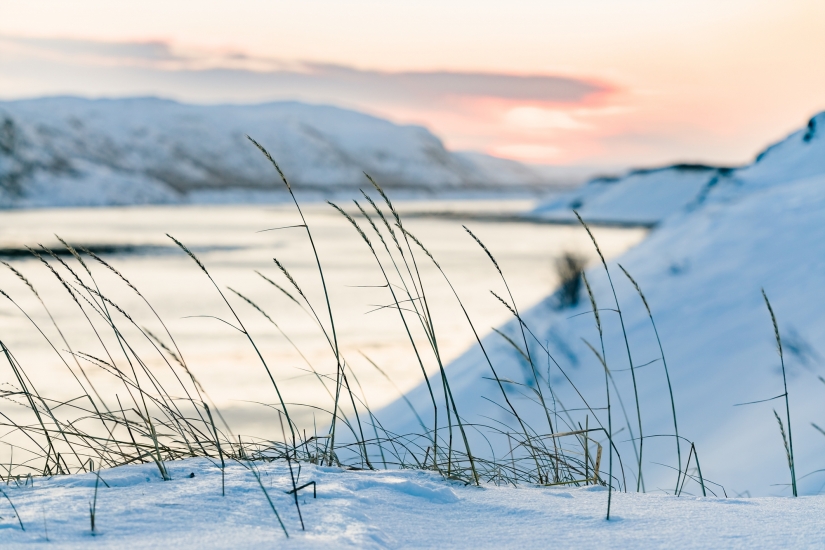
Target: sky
[585, 83]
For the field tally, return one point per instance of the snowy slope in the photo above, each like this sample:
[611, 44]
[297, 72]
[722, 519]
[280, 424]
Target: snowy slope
[642, 197]
[399, 509]
[71, 151]
[702, 270]
[648, 196]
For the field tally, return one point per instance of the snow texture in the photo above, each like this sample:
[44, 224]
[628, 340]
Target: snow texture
[399, 509]
[67, 151]
[702, 270]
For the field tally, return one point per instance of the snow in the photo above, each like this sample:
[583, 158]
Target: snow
[642, 197]
[380, 509]
[702, 270]
[648, 196]
[66, 151]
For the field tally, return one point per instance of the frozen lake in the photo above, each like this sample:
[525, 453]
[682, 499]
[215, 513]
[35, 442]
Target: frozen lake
[227, 239]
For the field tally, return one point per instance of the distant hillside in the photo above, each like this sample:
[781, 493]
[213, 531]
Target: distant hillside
[647, 196]
[71, 151]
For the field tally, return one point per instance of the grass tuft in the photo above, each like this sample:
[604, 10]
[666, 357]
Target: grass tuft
[156, 418]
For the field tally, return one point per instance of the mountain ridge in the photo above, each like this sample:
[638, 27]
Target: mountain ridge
[70, 151]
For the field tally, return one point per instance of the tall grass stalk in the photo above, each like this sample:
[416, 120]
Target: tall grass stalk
[418, 300]
[429, 331]
[607, 392]
[242, 329]
[397, 306]
[667, 374]
[93, 504]
[251, 467]
[65, 342]
[340, 367]
[521, 324]
[639, 479]
[14, 509]
[292, 476]
[789, 441]
[695, 455]
[425, 315]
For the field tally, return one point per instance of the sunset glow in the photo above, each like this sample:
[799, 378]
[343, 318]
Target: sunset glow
[594, 82]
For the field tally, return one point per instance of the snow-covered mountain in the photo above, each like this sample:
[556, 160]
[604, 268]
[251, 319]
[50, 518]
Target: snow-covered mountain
[647, 196]
[69, 151]
[702, 270]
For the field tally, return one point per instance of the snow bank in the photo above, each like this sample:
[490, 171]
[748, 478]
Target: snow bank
[406, 509]
[702, 271]
[69, 152]
[648, 196]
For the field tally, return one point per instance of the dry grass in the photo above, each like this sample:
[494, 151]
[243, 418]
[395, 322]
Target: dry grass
[160, 415]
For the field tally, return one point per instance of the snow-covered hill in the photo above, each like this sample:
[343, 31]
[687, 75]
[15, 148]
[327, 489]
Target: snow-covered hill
[69, 151]
[641, 197]
[702, 270]
[647, 196]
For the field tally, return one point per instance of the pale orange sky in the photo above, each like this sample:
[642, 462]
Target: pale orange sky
[657, 81]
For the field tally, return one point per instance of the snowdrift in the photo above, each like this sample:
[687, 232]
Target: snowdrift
[77, 152]
[702, 270]
[382, 509]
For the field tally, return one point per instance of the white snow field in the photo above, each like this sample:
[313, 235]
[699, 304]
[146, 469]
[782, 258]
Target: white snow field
[66, 151]
[702, 270]
[383, 509]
